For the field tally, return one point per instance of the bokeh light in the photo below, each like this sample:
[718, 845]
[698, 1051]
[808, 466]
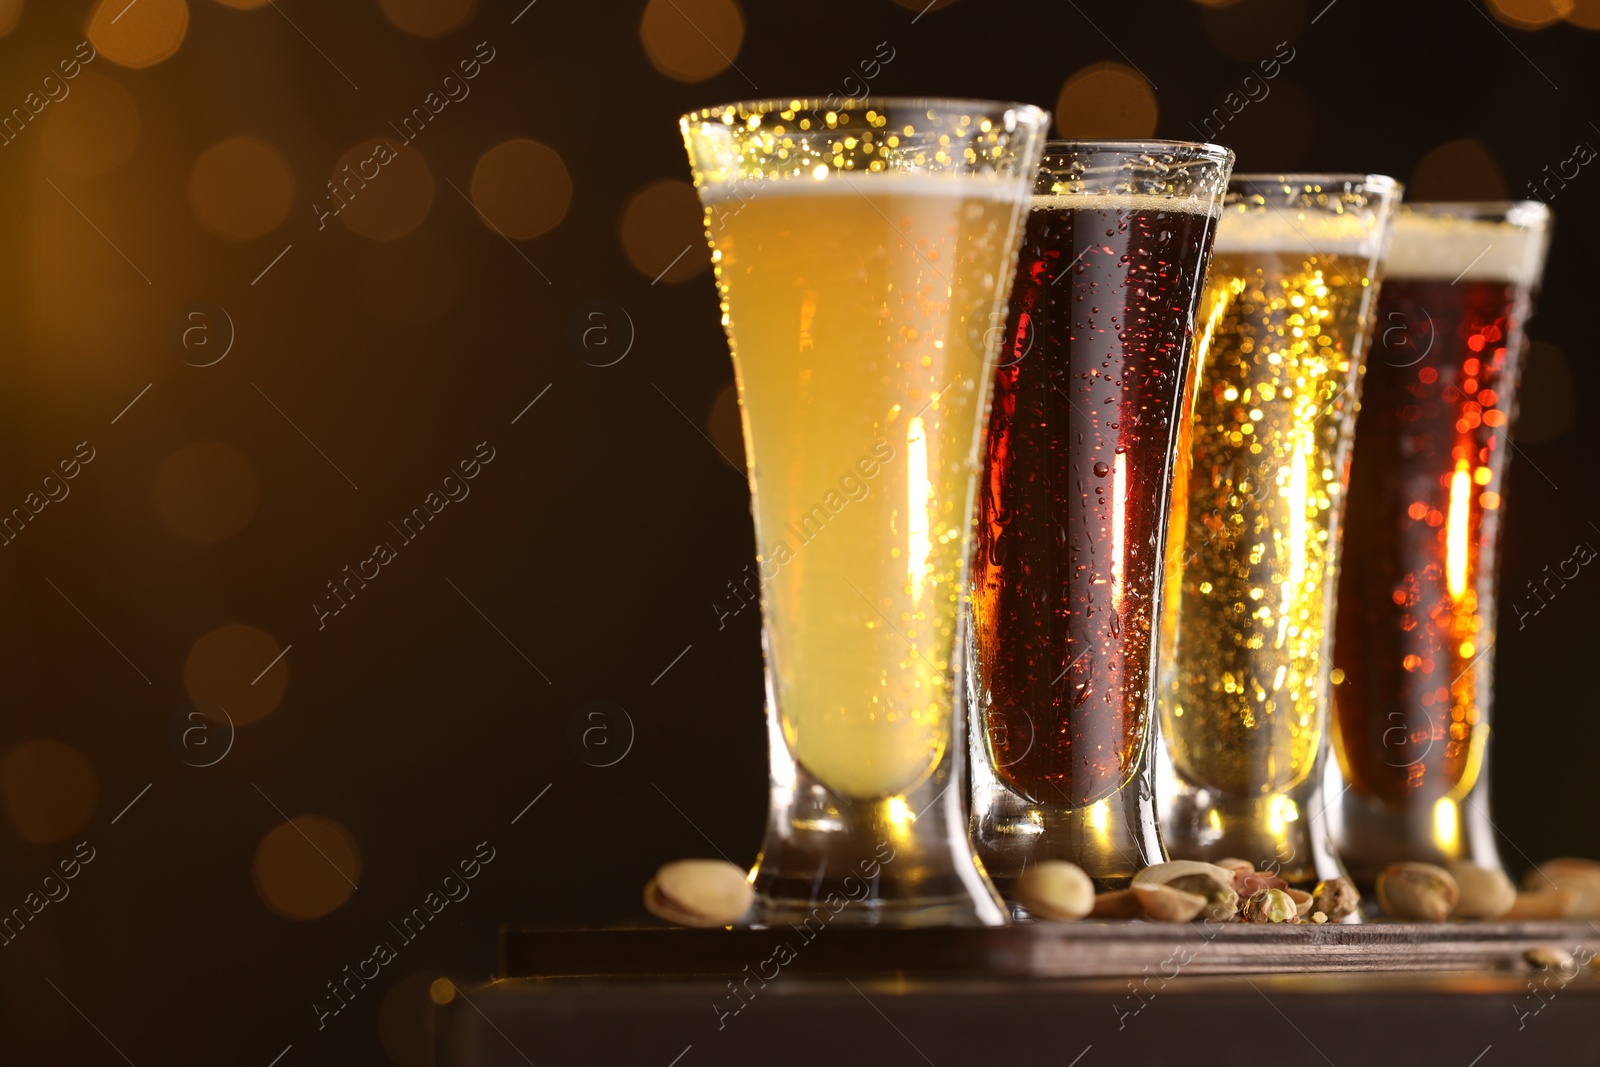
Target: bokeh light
[1252, 30]
[379, 189]
[692, 40]
[1457, 170]
[240, 188]
[228, 669]
[208, 491]
[50, 790]
[1530, 14]
[663, 233]
[138, 34]
[722, 422]
[1585, 13]
[522, 187]
[412, 281]
[306, 867]
[1545, 398]
[428, 18]
[405, 1020]
[97, 132]
[1106, 100]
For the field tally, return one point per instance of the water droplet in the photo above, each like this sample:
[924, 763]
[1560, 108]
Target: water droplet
[1101, 469]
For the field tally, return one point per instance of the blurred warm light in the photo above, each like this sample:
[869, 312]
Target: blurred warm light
[441, 991]
[244, 5]
[306, 867]
[240, 188]
[10, 12]
[1252, 31]
[428, 18]
[379, 189]
[1545, 404]
[139, 34]
[229, 668]
[96, 132]
[722, 423]
[692, 40]
[50, 790]
[1585, 13]
[1530, 14]
[660, 222]
[410, 282]
[208, 491]
[405, 1018]
[522, 187]
[1106, 100]
[1457, 170]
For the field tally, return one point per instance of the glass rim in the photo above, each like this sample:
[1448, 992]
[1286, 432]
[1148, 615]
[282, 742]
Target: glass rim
[771, 105]
[1373, 182]
[1527, 214]
[1204, 149]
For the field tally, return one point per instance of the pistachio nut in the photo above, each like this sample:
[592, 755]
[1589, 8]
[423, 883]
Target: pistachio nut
[1546, 958]
[1419, 891]
[1212, 884]
[1547, 903]
[1486, 892]
[1582, 877]
[1336, 898]
[1302, 902]
[699, 893]
[1118, 904]
[1056, 889]
[1318, 917]
[1247, 883]
[1233, 863]
[1268, 906]
[1165, 904]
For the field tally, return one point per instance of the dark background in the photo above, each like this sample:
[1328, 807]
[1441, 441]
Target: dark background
[585, 564]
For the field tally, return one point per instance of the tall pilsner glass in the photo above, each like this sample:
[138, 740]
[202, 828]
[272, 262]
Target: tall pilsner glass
[1427, 482]
[1072, 506]
[1286, 321]
[863, 250]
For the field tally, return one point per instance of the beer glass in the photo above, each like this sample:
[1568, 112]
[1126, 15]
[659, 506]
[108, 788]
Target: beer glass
[858, 245]
[1285, 324]
[1416, 618]
[1072, 505]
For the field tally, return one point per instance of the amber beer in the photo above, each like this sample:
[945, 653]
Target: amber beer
[1072, 506]
[1417, 615]
[1244, 687]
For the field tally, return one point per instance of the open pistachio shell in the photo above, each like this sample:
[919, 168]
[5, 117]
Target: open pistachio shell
[699, 893]
[1213, 884]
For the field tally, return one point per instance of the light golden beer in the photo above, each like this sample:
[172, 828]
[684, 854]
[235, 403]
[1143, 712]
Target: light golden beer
[1244, 693]
[855, 305]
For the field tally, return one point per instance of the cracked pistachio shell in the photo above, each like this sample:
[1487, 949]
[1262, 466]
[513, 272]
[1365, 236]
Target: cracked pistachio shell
[1486, 893]
[1055, 889]
[1417, 891]
[699, 893]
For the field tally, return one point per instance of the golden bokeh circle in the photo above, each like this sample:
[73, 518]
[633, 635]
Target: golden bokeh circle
[207, 491]
[50, 790]
[306, 867]
[663, 233]
[1585, 14]
[92, 131]
[692, 40]
[428, 18]
[380, 190]
[723, 425]
[10, 12]
[240, 188]
[138, 34]
[1530, 14]
[1106, 100]
[522, 187]
[228, 669]
[1462, 169]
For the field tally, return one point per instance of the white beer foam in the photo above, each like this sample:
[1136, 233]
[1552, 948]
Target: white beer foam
[872, 184]
[1289, 229]
[1123, 202]
[1434, 246]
